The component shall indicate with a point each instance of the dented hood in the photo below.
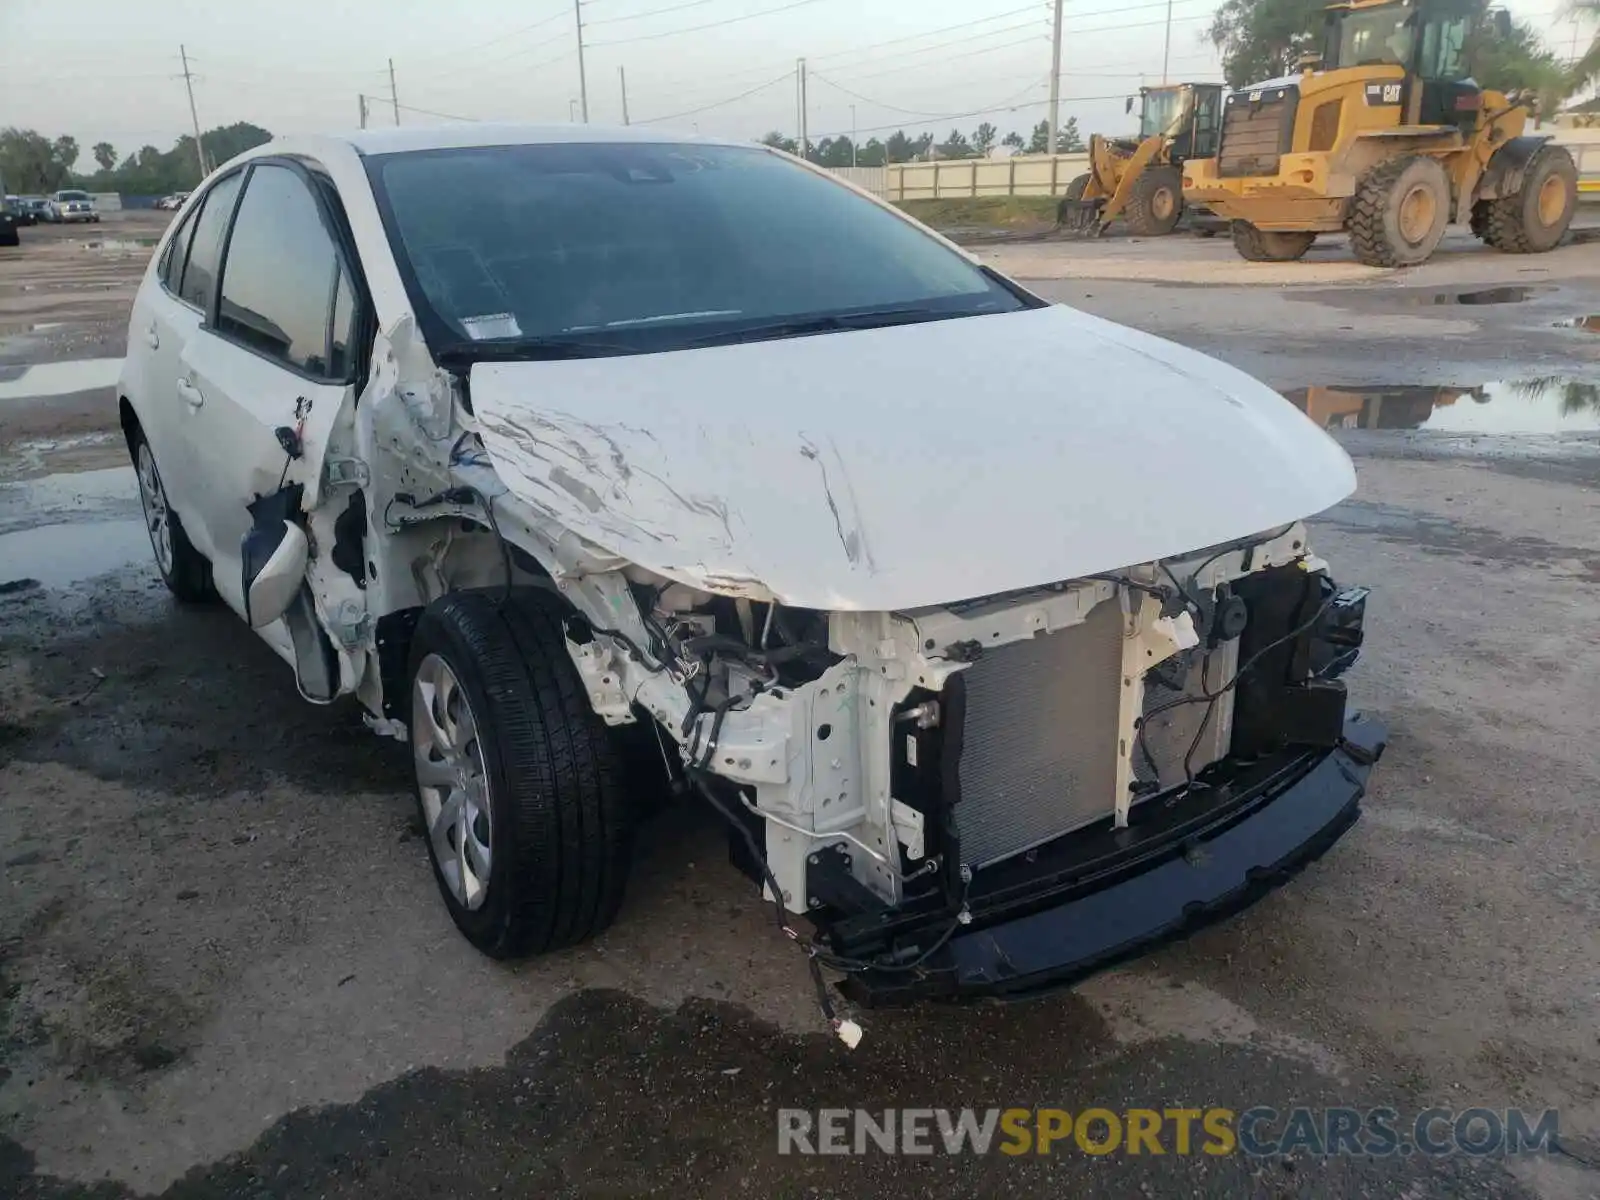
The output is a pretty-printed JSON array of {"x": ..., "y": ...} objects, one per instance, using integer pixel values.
[{"x": 913, "y": 465}]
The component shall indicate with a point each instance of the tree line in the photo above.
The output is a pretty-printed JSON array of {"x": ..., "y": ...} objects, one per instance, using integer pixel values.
[
  {"x": 32, "y": 163},
  {"x": 900, "y": 147}
]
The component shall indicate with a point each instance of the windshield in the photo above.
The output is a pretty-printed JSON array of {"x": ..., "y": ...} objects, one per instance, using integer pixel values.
[
  {"x": 653, "y": 247},
  {"x": 1162, "y": 110},
  {"x": 1378, "y": 35},
  {"x": 72, "y": 195}
]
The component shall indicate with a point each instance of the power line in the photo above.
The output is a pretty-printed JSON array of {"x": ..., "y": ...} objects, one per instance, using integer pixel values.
[
  {"x": 518, "y": 53},
  {"x": 1030, "y": 41},
  {"x": 931, "y": 32},
  {"x": 963, "y": 42},
  {"x": 428, "y": 112},
  {"x": 498, "y": 40},
  {"x": 907, "y": 111},
  {"x": 654, "y": 12},
  {"x": 1003, "y": 106},
  {"x": 650, "y": 37},
  {"x": 717, "y": 104}
]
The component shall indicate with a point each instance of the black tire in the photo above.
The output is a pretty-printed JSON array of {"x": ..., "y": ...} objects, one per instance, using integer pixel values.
[
  {"x": 9, "y": 237},
  {"x": 1399, "y": 212},
  {"x": 1262, "y": 245},
  {"x": 185, "y": 571},
  {"x": 1514, "y": 224},
  {"x": 1155, "y": 202},
  {"x": 559, "y": 822}
]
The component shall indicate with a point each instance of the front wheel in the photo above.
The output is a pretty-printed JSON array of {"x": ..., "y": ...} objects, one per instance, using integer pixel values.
[
  {"x": 1399, "y": 212},
  {"x": 1534, "y": 219},
  {"x": 1155, "y": 201},
  {"x": 1263, "y": 245},
  {"x": 520, "y": 785}
]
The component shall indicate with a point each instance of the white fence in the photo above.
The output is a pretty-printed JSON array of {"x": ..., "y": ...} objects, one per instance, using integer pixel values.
[
  {"x": 873, "y": 179},
  {"x": 1049, "y": 174}
]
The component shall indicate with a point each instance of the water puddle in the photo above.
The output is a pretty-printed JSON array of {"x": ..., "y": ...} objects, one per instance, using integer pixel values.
[
  {"x": 58, "y": 378},
  {"x": 101, "y": 496},
  {"x": 59, "y": 556},
  {"x": 114, "y": 244},
  {"x": 1494, "y": 295},
  {"x": 1530, "y": 406},
  {"x": 1589, "y": 324}
]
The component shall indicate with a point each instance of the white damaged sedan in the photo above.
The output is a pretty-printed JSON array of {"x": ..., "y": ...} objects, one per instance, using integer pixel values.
[{"x": 990, "y": 628}]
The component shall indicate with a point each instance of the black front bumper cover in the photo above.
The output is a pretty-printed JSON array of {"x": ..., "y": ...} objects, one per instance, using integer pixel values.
[{"x": 1102, "y": 895}]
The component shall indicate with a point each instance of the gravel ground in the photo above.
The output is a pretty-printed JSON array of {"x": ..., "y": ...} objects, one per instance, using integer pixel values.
[{"x": 224, "y": 969}]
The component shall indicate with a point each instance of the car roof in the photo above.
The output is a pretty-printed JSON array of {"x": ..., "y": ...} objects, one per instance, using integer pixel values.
[{"x": 405, "y": 138}]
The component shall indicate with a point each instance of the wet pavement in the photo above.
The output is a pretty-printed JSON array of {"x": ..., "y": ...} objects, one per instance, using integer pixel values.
[{"x": 225, "y": 971}]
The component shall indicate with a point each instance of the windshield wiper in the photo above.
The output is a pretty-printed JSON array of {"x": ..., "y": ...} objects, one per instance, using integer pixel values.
[
  {"x": 533, "y": 349},
  {"x": 828, "y": 323}
]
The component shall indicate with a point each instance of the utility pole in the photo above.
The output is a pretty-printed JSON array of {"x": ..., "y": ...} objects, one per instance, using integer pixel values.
[
  {"x": 854, "y": 136},
  {"x": 1166, "y": 50},
  {"x": 363, "y": 98},
  {"x": 583, "y": 79},
  {"x": 1055, "y": 80},
  {"x": 622, "y": 79},
  {"x": 194, "y": 116},
  {"x": 394, "y": 96},
  {"x": 805, "y": 144}
]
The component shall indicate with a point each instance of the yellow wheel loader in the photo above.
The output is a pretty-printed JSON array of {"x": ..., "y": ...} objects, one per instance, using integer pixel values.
[
  {"x": 1384, "y": 135},
  {"x": 1141, "y": 179}
]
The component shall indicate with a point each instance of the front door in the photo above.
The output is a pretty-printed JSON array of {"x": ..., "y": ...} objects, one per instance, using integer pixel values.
[{"x": 269, "y": 377}]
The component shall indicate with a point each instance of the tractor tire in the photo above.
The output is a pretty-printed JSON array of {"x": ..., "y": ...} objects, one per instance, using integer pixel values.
[
  {"x": 1534, "y": 219},
  {"x": 1261, "y": 245},
  {"x": 1077, "y": 187},
  {"x": 521, "y": 788},
  {"x": 1155, "y": 202},
  {"x": 1399, "y": 212}
]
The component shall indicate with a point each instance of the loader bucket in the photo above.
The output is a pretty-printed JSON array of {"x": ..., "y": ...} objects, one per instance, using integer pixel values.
[{"x": 1080, "y": 218}]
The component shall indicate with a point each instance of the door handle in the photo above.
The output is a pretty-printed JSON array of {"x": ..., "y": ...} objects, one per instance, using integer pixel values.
[
  {"x": 152, "y": 338},
  {"x": 192, "y": 395}
]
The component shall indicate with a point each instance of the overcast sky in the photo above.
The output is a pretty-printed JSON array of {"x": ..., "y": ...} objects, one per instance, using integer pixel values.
[{"x": 108, "y": 69}]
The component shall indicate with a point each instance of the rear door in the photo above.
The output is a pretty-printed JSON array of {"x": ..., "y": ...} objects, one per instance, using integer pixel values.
[
  {"x": 276, "y": 361},
  {"x": 165, "y": 318}
]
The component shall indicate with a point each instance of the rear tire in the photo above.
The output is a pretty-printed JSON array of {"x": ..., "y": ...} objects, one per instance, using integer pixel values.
[
  {"x": 1534, "y": 219},
  {"x": 1155, "y": 202},
  {"x": 1261, "y": 245},
  {"x": 1399, "y": 212},
  {"x": 1077, "y": 187},
  {"x": 185, "y": 571},
  {"x": 525, "y": 812}
]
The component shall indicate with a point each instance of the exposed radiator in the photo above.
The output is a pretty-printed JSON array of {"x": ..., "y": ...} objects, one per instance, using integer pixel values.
[{"x": 1039, "y": 746}]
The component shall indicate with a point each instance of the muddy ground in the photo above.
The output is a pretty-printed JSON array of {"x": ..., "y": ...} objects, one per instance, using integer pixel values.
[{"x": 225, "y": 971}]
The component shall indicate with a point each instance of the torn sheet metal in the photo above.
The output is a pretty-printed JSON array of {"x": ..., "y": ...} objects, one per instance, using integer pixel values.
[{"x": 891, "y": 468}]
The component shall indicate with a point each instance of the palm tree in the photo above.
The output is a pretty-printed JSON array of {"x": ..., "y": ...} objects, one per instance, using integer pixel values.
[{"x": 1586, "y": 68}]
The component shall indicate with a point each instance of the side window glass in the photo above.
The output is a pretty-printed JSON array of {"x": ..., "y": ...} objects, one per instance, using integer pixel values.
[
  {"x": 177, "y": 251},
  {"x": 281, "y": 285},
  {"x": 205, "y": 247}
]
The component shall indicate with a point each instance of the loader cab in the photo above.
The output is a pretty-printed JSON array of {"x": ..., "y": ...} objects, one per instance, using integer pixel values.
[
  {"x": 1189, "y": 114},
  {"x": 1428, "y": 38}
]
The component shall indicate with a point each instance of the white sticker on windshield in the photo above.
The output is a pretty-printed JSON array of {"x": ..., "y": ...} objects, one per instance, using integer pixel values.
[{"x": 491, "y": 325}]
